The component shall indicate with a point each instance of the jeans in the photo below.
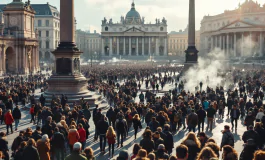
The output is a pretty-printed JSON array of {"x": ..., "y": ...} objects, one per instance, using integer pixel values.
[
  {"x": 210, "y": 123},
  {"x": 102, "y": 138},
  {"x": 9, "y": 126},
  {"x": 201, "y": 123},
  {"x": 135, "y": 132},
  {"x": 83, "y": 145},
  {"x": 32, "y": 118},
  {"x": 111, "y": 146},
  {"x": 232, "y": 121},
  {"x": 184, "y": 121},
  {"x": 192, "y": 127},
  {"x": 16, "y": 123},
  {"x": 120, "y": 135},
  {"x": 43, "y": 121},
  {"x": 59, "y": 153}
]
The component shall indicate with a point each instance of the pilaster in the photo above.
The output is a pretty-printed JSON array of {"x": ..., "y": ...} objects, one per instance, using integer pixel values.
[
  {"x": 142, "y": 46},
  {"x": 137, "y": 52},
  {"x": 130, "y": 46},
  {"x": 261, "y": 39},
  {"x": 118, "y": 46}
]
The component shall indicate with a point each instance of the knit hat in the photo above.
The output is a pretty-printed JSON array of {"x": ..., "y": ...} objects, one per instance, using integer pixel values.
[
  {"x": 45, "y": 137},
  {"x": 77, "y": 145},
  {"x": 161, "y": 146}
]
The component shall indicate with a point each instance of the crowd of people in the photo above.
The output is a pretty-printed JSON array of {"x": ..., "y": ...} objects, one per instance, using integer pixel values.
[{"x": 62, "y": 129}]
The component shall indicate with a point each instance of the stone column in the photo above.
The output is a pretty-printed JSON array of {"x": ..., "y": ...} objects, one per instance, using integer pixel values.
[
  {"x": 25, "y": 59},
  {"x": 118, "y": 46},
  {"x": 250, "y": 43},
  {"x": 261, "y": 41},
  {"x": 149, "y": 50},
  {"x": 1, "y": 58},
  {"x": 67, "y": 27},
  {"x": 137, "y": 52},
  {"x": 157, "y": 46},
  {"x": 227, "y": 44},
  {"x": 130, "y": 46},
  {"x": 165, "y": 48},
  {"x": 216, "y": 42},
  {"x": 4, "y": 59},
  {"x": 124, "y": 49},
  {"x": 17, "y": 58},
  {"x": 235, "y": 45},
  {"x": 212, "y": 45},
  {"x": 242, "y": 44},
  {"x": 142, "y": 46},
  {"x": 220, "y": 41},
  {"x": 102, "y": 46},
  {"x": 37, "y": 58},
  {"x": 191, "y": 39},
  {"x": 223, "y": 38},
  {"x": 110, "y": 47}
]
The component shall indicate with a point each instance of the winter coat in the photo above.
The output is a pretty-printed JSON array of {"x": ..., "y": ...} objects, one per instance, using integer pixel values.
[
  {"x": 75, "y": 156},
  {"x": 43, "y": 149},
  {"x": 192, "y": 119},
  {"x": 111, "y": 115},
  {"x": 31, "y": 152},
  {"x": 111, "y": 139},
  {"x": 147, "y": 144},
  {"x": 168, "y": 141},
  {"x": 8, "y": 118},
  {"x": 136, "y": 124},
  {"x": 227, "y": 139},
  {"x": 19, "y": 154},
  {"x": 16, "y": 113},
  {"x": 121, "y": 126},
  {"x": 201, "y": 115},
  {"x": 249, "y": 120},
  {"x": 58, "y": 140},
  {"x": 248, "y": 152},
  {"x": 193, "y": 149},
  {"x": 102, "y": 127},
  {"x": 154, "y": 125},
  {"x": 82, "y": 134},
  {"x": 73, "y": 136},
  {"x": 47, "y": 129},
  {"x": 237, "y": 113},
  {"x": 36, "y": 135},
  {"x": 251, "y": 134},
  {"x": 210, "y": 112},
  {"x": 157, "y": 142},
  {"x": 160, "y": 154}
]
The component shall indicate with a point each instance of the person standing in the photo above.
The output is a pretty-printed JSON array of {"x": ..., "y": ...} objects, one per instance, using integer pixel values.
[
  {"x": 3, "y": 146},
  {"x": 192, "y": 121},
  {"x": 201, "y": 117},
  {"x": 102, "y": 127},
  {"x": 228, "y": 137},
  {"x": 8, "y": 121},
  {"x": 168, "y": 141},
  {"x": 234, "y": 115},
  {"x": 76, "y": 154},
  {"x": 73, "y": 137},
  {"x": 17, "y": 116},
  {"x": 82, "y": 134},
  {"x": 120, "y": 127},
  {"x": 111, "y": 136},
  {"x": 43, "y": 147},
  {"x": 30, "y": 151},
  {"x": 136, "y": 124},
  {"x": 32, "y": 113},
  {"x": 210, "y": 114},
  {"x": 57, "y": 142}
]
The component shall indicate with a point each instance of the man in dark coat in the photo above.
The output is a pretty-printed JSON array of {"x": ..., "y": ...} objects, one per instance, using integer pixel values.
[
  {"x": 42, "y": 100},
  {"x": 102, "y": 127},
  {"x": 234, "y": 115},
  {"x": 111, "y": 115},
  {"x": 168, "y": 141},
  {"x": 36, "y": 135},
  {"x": 57, "y": 143},
  {"x": 17, "y": 116},
  {"x": 251, "y": 134},
  {"x": 3, "y": 145},
  {"x": 121, "y": 128},
  {"x": 201, "y": 117}
]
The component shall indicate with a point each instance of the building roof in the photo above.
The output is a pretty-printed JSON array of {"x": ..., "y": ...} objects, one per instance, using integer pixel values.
[
  {"x": 45, "y": 9},
  {"x": 133, "y": 14}
]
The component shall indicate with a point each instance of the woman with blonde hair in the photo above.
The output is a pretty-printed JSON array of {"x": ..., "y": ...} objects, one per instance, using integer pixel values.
[
  {"x": 193, "y": 144},
  {"x": 206, "y": 154},
  {"x": 229, "y": 153},
  {"x": 259, "y": 155},
  {"x": 141, "y": 154},
  {"x": 151, "y": 156},
  {"x": 111, "y": 136},
  {"x": 136, "y": 124},
  {"x": 63, "y": 123},
  {"x": 214, "y": 147}
]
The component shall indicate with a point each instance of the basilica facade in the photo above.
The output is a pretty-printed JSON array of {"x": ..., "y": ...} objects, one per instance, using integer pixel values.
[
  {"x": 133, "y": 37},
  {"x": 18, "y": 39},
  {"x": 239, "y": 32}
]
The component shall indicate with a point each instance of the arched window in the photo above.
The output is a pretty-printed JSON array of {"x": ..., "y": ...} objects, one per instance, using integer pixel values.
[
  {"x": 106, "y": 28},
  {"x": 161, "y": 28}
]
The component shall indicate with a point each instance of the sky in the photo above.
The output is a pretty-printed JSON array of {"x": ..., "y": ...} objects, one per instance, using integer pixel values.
[{"x": 89, "y": 13}]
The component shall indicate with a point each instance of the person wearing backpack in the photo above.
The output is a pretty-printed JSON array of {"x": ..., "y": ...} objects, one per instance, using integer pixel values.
[
  {"x": 228, "y": 137},
  {"x": 120, "y": 126}
]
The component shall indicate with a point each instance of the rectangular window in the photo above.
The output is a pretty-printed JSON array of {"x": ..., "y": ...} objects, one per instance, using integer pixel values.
[
  {"x": 47, "y": 33},
  {"x": 39, "y": 23},
  {"x": 47, "y": 44},
  {"x": 47, "y": 23},
  {"x": 40, "y": 43},
  {"x": 39, "y": 33}
]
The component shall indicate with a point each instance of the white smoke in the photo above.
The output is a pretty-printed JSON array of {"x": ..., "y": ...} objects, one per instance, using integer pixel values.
[
  {"x": 250, "y": 48},
  {"x": 209, "y": 71}
]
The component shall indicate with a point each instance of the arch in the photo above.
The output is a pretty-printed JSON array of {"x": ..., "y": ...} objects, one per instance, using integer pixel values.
[
  {"x": 47, "y": 56},
  {"x": 10, "y": 60},
  {"x": 106, "y": 49}
]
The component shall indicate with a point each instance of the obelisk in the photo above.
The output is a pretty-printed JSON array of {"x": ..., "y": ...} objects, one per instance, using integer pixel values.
[
  {"x": 67, "y": 79},
  {"x": 191, "y": 52}
]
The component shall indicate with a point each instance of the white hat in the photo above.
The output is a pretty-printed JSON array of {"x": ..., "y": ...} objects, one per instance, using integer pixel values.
[
  {"x": 45, "y": 137},
  {"x": 77, "y": 145}
]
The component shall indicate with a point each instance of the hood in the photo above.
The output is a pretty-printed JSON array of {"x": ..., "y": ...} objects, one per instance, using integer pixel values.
[
  {"x": 72, "y": 130},
  {"x": 190, "y": 142}
]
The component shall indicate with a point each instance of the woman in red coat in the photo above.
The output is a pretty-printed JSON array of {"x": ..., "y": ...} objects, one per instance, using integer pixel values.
[
  {"x": 111, "y": 136},
  {"x": 82, "y": 134},
  {"x": 8, "y": 121}
]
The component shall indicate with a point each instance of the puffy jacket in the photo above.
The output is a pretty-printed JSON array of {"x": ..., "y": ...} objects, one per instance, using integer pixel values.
[
  {"x": 102, "y": 127},
  {"x": 73, "y": 136},
  {"x": 82, "y": 134},
  {"x": 8, "y": 118},
  {"x": 16, "y": 113}
]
